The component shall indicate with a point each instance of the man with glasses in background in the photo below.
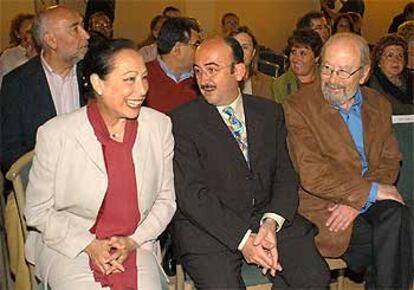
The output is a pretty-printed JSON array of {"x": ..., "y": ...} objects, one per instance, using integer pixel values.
[
  {"x": 342, "y": 145},
  {"x": 235, "y": 186},
  {"x": 317, "y": 22},
  {"x": 170, "y": 75}
]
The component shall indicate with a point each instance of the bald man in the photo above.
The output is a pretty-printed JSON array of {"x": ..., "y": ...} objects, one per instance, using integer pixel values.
[
  {"x": 235, "y": 186},
  {"x": 48, "y": 85},
  {"x": 341, "y": 143}
]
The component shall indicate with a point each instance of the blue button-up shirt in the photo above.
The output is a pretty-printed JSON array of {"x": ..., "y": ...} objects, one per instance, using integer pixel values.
[
  {"x": 353, "y": 120},
  {"x": 171, "y": 74}
]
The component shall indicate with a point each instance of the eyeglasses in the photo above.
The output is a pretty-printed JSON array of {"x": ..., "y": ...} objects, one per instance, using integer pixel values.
[
  {"x": 391, "y": 55},
  {"x": 210, "y": 71},
  {"x": 104, "y": 25},
  {"x": 320, "y": 27},
  {"x": 343, "y": 74},
  {"x": 195, "y": 44}
]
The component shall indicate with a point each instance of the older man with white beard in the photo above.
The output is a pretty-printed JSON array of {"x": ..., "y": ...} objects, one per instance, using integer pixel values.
[{"x": 341, "y": 143}]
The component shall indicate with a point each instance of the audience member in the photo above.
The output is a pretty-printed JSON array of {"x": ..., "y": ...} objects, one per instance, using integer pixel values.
[
  {"x": 343, "y": 23},
  {"x": 317, "y": 22},
  {"x": 357, "y": 6},
  {"x": 45, "y": 86},
  {"x": 342, "y": 145},
  {"x": 171, "y": 11},
  {"x": 15, "y": 55},
  {"x": 30, "y": 45},
  {"x": 100, "y": 22},
  {"x": 357, "y": 18},
  {"x": 98, "y": 195},
  {"x": 406, "y": 31},
  {"x": 229, "y": 23},
  {"x": 231, "y": 167},
  {"x": 150, "y": 52},
  {"x": 407, "y": 14},
  {"x": 170, "y": 76},
  {"x": 254, "y": 82},
  {"x": 389, "y": 76},
  {"x": 304, "y": 47}
]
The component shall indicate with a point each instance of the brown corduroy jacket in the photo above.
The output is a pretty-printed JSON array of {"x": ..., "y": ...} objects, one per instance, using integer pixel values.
[{"x": 329, "y": 167}]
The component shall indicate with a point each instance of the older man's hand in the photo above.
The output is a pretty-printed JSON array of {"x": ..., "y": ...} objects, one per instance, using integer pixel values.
[{"x": 341, "y": 217}]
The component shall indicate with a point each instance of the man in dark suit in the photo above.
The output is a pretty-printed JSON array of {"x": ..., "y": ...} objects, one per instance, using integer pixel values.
[
  {"x": 235, "y": 186},
  {"x": 45, "y": 86}
]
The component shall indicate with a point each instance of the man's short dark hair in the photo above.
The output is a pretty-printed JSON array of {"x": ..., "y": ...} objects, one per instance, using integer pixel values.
[
  {"x": 306, "y": 20},
  {"x": 236, "y": 49},
  {"x": 170, "y": 8},
  {"x": 305, "y": 37},
  {"x": 177, "y": 29}
]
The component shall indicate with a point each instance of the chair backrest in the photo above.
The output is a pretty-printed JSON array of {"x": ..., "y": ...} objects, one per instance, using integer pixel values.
[
  {"x": 403, "y": 126},
  {"x": 18, "y": 174},
  {"x": 5, "y": 279},
  {"x": 275, "y": 58}
]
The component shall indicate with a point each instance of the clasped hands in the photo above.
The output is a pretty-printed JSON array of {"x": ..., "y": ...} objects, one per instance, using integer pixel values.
[
  {"x": 261, "y": 248},
  {"x": 109, "y": 254}
]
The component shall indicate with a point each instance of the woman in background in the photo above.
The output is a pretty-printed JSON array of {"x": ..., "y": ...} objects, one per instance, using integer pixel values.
[
  {"x": 304, "y": 48},
  {"x": 255, "y": 82},
  {"x": 343, "y": 23},
  {"x": 389, "y": 75},
  {"x": 16, "y": 54},
  {"x": 101, "y": 187}
]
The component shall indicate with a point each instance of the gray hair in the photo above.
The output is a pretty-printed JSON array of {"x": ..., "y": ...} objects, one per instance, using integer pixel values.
[
  {"x": 355, "y": 38},
  {"x": 38, "y": 28}
]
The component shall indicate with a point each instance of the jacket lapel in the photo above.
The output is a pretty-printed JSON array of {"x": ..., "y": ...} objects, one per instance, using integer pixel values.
[
  {"x": 139, "y": 151},
  {"x": 370, "y": 116},
  {"x": 86, "y": 138},
  {"x": 81, "y": 83},
  {"x": 41, "y": 89},
  {"x": 254, "y": 129}
]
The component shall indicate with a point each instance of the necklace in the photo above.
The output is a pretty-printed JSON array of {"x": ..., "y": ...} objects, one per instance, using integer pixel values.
[{"x": 115, "y": 135}]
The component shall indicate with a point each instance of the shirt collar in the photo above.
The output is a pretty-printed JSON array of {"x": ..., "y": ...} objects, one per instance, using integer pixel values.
[
  {"x": 236, "y": 105},
  {"x": 50, "y": 70},
  {"x": 170, "y": 73},
  {"x": 356, "y": 105}
]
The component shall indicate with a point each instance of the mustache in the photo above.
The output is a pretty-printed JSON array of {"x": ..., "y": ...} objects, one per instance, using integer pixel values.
[{"x": 207, "y": 87}]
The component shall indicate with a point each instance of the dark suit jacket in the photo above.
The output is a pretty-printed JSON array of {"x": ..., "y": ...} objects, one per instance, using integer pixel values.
[
  {"x": 218, "y": 196},
  {"x": 329, "y": 166},
  {"x": 26, "y": 103}
]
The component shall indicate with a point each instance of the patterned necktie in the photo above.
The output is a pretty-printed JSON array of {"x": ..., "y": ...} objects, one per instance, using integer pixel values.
[{"x": 237, "y": 129}]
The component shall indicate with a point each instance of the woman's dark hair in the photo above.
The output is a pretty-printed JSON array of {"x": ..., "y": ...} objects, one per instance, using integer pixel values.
[
  {"x": 384, "y": 42},
  {"x": 305, "y": 37},
  {"x": 253, "y": 64},
  {"x": 348, "y": 18},
  {"x": 15, "y": 26},
  {"x": 99, "y": 60}
]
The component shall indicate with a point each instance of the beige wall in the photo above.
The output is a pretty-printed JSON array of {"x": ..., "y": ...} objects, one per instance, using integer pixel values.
[{"x": 271, "y": 20}]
